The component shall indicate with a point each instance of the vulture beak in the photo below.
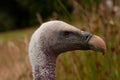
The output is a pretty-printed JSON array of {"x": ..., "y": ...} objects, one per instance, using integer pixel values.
[{"x": 96, "y": 43}]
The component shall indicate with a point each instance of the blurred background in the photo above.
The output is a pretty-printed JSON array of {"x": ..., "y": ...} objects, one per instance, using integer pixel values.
[{"x": 20, "y": 18}]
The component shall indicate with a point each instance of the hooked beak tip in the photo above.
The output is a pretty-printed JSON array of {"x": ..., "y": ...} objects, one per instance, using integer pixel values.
[{"x": 98, "y": 44}]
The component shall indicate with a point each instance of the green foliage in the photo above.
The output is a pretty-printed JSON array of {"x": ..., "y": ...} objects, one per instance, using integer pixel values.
[
  {"x": 12, "y": 15},
  {"x": 64, "y": 8},
  {"x": 46, "y": 8},
  {"x": 15, "y": 14},
  {"x": 42, "y": 6},
  {"x": 89, "y": 4},
  {"x": 6, "y": 22}
]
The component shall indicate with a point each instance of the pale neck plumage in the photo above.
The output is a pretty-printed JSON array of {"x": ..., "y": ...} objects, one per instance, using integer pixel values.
[
  {"x": 43, "y": 63},
  {"x": 45, "y": 70}
]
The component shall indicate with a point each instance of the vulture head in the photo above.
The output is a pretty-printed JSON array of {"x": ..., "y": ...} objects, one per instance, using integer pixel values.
[{"x": 53, "y": 38}]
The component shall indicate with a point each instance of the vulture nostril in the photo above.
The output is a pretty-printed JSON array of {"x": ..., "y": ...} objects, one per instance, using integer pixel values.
[{"x": 86, "y": 37}]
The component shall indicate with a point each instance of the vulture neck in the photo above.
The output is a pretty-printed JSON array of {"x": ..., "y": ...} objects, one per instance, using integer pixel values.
[{"x": 45, "y": 69}]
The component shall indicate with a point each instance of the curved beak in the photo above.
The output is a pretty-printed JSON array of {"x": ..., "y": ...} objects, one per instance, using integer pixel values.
[{"x": 96, "y": 43}]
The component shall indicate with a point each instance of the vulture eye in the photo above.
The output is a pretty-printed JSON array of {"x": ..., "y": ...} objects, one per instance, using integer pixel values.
[{"x": 66, "y": 33}]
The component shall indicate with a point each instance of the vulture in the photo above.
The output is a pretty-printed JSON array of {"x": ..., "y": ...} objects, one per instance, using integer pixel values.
[{"x": 53, "y": 38}]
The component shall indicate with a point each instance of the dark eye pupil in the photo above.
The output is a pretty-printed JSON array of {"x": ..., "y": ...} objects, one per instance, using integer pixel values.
[{"x": 66, "y": 33}]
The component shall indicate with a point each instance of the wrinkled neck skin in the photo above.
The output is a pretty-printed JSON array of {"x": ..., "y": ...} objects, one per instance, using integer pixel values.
[{"x": 43, "y": 60}]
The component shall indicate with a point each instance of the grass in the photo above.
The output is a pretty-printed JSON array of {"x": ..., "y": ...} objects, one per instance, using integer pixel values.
[
  {"x": 14, "y": 64},
  {"x": 73, "y": 65},
  {"x": 6, "y": 36}
]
